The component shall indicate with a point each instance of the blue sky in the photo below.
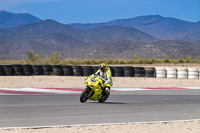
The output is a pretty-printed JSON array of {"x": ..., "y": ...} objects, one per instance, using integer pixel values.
[{"x": 89, "y": 11}]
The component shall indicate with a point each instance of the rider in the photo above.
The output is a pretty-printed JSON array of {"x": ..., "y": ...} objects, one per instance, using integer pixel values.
[{"x": 105, "y": 73}]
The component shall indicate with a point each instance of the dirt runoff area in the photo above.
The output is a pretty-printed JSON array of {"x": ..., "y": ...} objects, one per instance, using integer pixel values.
[
  {"x": 118, "y": 82},
  {"x": 159, "y": 127}
]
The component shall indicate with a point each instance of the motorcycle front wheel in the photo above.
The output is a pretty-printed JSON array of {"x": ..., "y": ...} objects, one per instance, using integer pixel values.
[{"x": 84, "y": 95}]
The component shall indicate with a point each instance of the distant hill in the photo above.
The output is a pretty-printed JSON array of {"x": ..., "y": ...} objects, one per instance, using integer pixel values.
[
  {"x": 114, "y": 39},
  {"x": 10, "y": 20},
  {"x": 161, "y": 27},
  {"x": 49, "y": 36}
]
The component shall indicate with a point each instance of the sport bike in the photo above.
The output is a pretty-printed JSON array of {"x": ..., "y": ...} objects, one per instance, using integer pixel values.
[{"x": 93, "y": 90}]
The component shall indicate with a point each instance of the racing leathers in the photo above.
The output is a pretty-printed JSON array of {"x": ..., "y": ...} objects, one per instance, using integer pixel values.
[{"x": 107, "y": 76}]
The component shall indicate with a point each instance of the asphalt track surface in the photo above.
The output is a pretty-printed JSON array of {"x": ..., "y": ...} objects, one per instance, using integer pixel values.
[{"x": 136, "y": 106}]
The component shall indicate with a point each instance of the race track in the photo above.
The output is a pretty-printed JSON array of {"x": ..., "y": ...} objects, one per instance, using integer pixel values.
[{"x": 136, "y": 106}]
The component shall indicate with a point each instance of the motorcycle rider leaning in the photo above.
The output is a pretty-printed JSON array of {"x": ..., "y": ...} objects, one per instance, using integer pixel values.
[{"x": 105, "y": 73}]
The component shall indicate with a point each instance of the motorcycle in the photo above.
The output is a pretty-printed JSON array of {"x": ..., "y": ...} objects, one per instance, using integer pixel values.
[{"x": 93, "y": 90}]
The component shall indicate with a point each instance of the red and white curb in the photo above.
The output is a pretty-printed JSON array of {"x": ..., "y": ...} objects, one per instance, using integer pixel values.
[{"x": 53, "y": 91}]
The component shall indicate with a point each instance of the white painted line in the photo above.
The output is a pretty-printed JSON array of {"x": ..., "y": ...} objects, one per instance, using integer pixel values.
[
  {"x": 39, "y": 90},
  {"x": 193, "y": 88},
  {"x": 128, "y": 89}
]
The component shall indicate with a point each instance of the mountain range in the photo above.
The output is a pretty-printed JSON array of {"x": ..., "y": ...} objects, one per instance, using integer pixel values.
[
  {"x": 161, "y": 27},
  {"x": 10, "y": 20},
  {"x": 123, "y": 38}
]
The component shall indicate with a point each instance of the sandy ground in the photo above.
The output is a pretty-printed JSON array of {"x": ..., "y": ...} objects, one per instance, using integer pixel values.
[
  {"x": 164, "y": 127},
  {"x": 78, "y": 82}
]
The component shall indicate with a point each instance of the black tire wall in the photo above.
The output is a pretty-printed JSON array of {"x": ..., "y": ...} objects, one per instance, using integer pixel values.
[
  {"x": 37, "y": 70},
  {"x": 47, "y": 69},
  {"x": 95, "y": 68},
  {"x": 77, "y": 70},
  {"x": 28, "y": 70},
  {"x": 8, "y": 69},
  {"x": 150, "y": 72},
  {"x": 57, "y": 70},
  {"x": 128, "y": 71},
  {"x": 118, "y": 71},
  {"x": 67, "y": 70},
  {"x": 1, "y": 71},
  {"x": 87, "y": 70},
  {"x": 139, "y": 71},
  {"x": 18, "y": 70}
]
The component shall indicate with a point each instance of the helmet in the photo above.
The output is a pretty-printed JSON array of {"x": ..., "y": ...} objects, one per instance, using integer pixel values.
[{"x": 102, "y": 67}]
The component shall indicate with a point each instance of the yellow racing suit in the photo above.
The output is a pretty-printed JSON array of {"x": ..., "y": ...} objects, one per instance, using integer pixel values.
[{"x": 106, "y": 75}]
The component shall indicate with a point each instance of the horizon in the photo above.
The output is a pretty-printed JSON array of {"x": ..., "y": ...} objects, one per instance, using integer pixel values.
[
  {"x": 99, "y": 22},
  {"x": 94, "y": 11}
]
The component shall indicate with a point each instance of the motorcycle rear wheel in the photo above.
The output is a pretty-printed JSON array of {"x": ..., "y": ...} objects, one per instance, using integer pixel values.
[{"x": 104, "y": 98}]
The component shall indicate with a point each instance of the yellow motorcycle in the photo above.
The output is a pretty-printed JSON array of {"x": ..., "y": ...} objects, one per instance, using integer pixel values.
[{"x": 93, "y": 90}]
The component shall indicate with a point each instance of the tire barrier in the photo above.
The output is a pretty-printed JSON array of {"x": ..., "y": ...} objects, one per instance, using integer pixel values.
[
  {"x": 28, "y": 70},
  {"x": 77, "y": 70},
  {"x": 47, "y": 69},
  {"x": 87, "y": 70},
  {"x": 150, "y": 72},
  {"x": 128, "y": 71},
  {"x": 193, "y": 73},
  {"x": 1, "y": 71},
  {"x": 95, "y": 68},
  {"x": 37, "y": 70},
  {"x": 18, "y": 70},
  {"x": 118, "y": 71},
  {"x": 67, "y": 70},
  {"x": 160, "y": 72},
  {"x": 57, "y": 70},
  {"x": 182, "y": 73},
  {"x": 171, "y": 73},
  {"x": 8, "y": 70},
  {"x": 179, "y": 73},
  {"x": 139, "y": 71}
]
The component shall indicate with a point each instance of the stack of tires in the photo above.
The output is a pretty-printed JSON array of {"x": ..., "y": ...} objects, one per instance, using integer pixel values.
[
  {"x": 182, "y": 73},
  {"x": 1, "y": 71},
  {"x": 139, "y": 72},
  {"x": 160, "y": 72},
  {"x": 150, "y": 72},
  {"x": 18, "y": 70},
  {"x": 57, "y": 70},
  {"x": 128, "y": 71},
  {"x": 117, "y": 71},
  {"x": 95, "y": 68},
  {"x": 47, "y": 69},
  {"x": 28, "y": 70},
  {"x": 8, "y": 70},
  {"x": 67, "y": 70},
  {"x": 87, "y": 70},
  {"x": 171, "y": 73},
  {"x": 37, "y": 70},
  {"x": 77, "y": 71},
  {"x": 193, "y": 73}
]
